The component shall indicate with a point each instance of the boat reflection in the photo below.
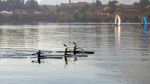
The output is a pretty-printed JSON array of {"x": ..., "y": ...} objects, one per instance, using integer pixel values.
[
  {"x": 67, "y": 58},
  {"x": 117, "y": 36}
]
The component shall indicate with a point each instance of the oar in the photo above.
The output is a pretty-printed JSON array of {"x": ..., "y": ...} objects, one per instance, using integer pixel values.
[
  {"x": 87, "y": 52},
  {"x": 83, "y": 50}
]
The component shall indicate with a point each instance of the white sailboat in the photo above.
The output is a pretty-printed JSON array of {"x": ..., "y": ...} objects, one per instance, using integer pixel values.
[{"x": 117, "y": 20}]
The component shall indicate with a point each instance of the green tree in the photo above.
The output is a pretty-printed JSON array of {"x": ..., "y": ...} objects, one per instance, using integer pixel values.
[
  {"x": 32, "y": 5},
  {"x": 136, "y": 4},
  {"x": 113, "y": 6},
  {"x": 143, "y": 3},
  {"x": 98, "y": 3}
]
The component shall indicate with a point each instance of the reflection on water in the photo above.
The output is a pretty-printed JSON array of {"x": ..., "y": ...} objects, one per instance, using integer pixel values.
[
  {"x": 18, "y": 38},
  {"x": 121, "y": 54},
  {"x": 117, "y": 35}
]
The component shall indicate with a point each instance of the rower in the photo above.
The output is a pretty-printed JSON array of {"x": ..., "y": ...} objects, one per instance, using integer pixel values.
[
  {"x": 75, "y": 51},
  {"x": 74, "y": 48},
  {"x": 65, "y": 54},
  {"x": 39, "y": 56}
]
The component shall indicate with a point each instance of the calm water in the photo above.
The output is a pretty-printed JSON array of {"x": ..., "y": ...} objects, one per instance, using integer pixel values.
[{"x": 122, "y": 54}]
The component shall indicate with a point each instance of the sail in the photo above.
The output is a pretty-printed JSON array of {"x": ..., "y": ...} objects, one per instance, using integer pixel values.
[
  {"x": 144, "y": 20},
  {"x": 144, "y": 23},
  {"x": 117, "y": 20}
]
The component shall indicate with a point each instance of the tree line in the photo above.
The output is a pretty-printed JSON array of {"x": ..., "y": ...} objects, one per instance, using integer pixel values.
[{"x": 10, "y": 5}]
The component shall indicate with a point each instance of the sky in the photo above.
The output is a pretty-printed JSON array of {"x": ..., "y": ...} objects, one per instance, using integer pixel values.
[{"x": 54, "y": 2}]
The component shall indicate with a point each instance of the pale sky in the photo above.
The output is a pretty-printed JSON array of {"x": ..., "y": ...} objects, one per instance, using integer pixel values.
[{"x": 54, "y": 2}]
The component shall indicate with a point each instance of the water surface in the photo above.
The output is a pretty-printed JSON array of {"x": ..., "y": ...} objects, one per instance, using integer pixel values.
[{"x": 121, "y": 54}]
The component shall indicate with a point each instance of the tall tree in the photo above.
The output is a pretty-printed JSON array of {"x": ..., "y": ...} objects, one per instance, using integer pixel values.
[
  {"x": 98, "y": 3},
  {"x": 32, "y": 5},
  {"x": 143, "y": 4},
  {"x": 112, "y": 5}
]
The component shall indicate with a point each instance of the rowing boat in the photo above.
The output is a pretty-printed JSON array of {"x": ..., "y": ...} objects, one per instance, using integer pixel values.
[{"x": 78, "y": 52}]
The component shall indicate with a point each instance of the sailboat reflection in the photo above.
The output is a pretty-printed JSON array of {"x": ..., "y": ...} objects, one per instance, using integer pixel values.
[
  {"x": 145, "y": 28},
  {"x": 144, "y": 43},
  {"x": 145, "y": 32},
  {"x": 117, "y": 36}
]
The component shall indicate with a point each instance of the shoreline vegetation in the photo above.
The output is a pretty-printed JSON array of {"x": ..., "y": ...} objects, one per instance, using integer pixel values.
[
  {"x": 28, "y": 12},
  {"x": 65, "y": 23}
]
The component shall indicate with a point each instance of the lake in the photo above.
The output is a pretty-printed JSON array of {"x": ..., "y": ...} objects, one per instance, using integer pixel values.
[{"x": 122, "y": 54}]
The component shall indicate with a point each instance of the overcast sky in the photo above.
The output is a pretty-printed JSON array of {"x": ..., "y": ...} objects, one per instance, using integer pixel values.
[{"x": 53, "y": 2}]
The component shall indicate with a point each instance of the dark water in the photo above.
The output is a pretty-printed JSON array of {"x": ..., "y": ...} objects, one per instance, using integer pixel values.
[{"x": 122, "y": 54}]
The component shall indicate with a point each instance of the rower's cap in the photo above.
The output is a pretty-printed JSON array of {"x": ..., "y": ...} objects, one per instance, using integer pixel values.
[{"x": 65, "y": 45}]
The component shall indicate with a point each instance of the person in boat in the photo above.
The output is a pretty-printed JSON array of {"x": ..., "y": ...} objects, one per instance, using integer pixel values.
[
  {"x": 39, "y": 56},
  {"x": 65, "y": 53},
  {"x": 74, "y": 48},
  {"x": 66, "y": 49},
  {"x": 75, "y": 51}
]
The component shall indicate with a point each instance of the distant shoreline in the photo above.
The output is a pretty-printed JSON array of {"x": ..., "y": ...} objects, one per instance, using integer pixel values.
[{"x": 68, "y": 23}]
